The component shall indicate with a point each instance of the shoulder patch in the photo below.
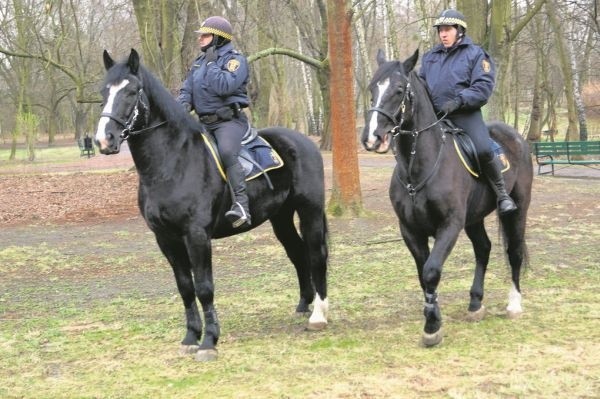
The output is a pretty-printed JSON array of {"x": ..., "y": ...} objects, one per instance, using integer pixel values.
[
  {"x": 233, "y": 65},
  {"x": 485, "y": 64}
]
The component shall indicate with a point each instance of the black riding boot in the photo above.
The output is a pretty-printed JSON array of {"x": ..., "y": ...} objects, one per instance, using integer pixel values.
[
  {"x": 239, "y": 213},
  {"x": 493, "y": 173}
]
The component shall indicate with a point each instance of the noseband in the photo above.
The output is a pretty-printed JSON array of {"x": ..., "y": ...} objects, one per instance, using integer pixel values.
[{"x": 139, "y": 112}]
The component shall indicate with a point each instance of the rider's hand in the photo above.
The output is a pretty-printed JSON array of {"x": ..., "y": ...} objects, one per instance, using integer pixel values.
[
  {"x": 450, "y": 106},
  {"x": 211, "y": 54},
  {"x": 187, "y": 107}
]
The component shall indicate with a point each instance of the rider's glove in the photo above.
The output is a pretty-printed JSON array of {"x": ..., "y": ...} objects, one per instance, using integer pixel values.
[{"x": 451, "y": 105}]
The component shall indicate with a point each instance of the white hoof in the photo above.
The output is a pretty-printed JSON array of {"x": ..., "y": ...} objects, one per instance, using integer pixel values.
[
  {"x": 434, "y": 339},
  {"x": 512, "y": 314},
  {"x": 477, "y": 315},
  {"x": 206, "y": 355},
  {"x": 318, "y": 318},
  {"x": 514, "y": 309},
  {"x": 188, "y": 349}
]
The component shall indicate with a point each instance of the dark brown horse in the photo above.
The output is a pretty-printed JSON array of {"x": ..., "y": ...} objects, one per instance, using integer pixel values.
[
  {"x": 434, "y": 195},
  {"x": 183, "y": 198}
]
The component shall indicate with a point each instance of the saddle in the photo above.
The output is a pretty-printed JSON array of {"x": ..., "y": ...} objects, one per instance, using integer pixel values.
[
  {"x": 257, "y": 157},
  {"x": 465, "y": 149}
]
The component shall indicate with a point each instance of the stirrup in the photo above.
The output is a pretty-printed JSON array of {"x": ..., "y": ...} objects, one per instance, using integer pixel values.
[{"x": 237, "y": 215}]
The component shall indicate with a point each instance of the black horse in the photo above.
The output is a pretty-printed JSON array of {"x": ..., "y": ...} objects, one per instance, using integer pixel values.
[
  {"x": 183, "y": 198},
  {"x": 434, "y": 195}
]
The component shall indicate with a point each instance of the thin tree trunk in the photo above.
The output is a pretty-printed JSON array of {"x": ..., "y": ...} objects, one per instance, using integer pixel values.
[{"x": 567, "y": 71}]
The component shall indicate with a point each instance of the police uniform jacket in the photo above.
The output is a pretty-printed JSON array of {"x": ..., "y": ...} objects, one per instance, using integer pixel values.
[
  {"x": 462, "y": 71},
  {"x": 218, "y": 84}
]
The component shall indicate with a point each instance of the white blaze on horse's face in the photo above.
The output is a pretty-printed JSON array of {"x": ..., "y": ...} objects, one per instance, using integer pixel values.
[
  {"x": 381, "y": 89},
  {"x": 108, "y": 108}
]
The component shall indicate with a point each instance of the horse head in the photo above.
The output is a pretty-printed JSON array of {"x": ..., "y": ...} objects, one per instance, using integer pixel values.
[
  {"x": 390, "y": 94},
  {"x": 125, "y": 106}
]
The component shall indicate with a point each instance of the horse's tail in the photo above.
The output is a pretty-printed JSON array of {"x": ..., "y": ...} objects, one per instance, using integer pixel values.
[
  {"x": 512, "y": 230},
  {"x": 326, "y": 233}
]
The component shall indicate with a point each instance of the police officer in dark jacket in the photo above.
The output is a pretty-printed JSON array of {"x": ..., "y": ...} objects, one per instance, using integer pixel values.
[
  {"x": 460, "y": 77},
  {"x": 215, "y": 89}
]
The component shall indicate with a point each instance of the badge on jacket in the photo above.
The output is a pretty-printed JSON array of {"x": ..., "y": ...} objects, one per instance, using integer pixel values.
[
  {"x": 485, "y": 64},
  {"x": 233, "y": 65}
]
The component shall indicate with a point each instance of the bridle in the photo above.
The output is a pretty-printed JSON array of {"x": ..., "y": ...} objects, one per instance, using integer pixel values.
[
  {"x": 397, "y": 130},
  {"x": 139, "y": 113}
]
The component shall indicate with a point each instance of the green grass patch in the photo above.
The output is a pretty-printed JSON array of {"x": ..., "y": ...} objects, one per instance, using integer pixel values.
[
  {"x": 50, "y": 155},
  {"x": 106, "y": 321}
]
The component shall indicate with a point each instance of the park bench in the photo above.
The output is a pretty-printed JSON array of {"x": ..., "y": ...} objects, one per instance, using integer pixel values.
[
  {"x": 566, "y": 153},
  {"x": 86, "y": 147}
]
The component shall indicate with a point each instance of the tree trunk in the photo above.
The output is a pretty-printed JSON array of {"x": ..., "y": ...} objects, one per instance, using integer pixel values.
[
  {"x": 476, "y": 12},
  {"x": 579, "y": 106},
  {"x": 567, "y": 71},
  {"x": 346, "y": 194},
  {"x": 157, "y": 22}
]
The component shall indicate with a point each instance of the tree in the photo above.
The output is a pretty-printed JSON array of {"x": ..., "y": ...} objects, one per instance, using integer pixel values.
[
  {"x": 345, "y": 196},
  {"x": 565, "y": 64}
]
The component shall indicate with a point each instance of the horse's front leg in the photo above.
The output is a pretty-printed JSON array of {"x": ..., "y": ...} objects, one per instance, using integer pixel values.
[
  {"x": 176, "y": 253},
  {"x": 481, "y": 247},
  {"x": 432, "y": 273},
  {"x": 199, "y": 250}
]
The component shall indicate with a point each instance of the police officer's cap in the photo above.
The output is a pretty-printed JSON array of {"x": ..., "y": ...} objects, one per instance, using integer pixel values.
[
  {"x": 450, "y": 18},
  {"x": 217, "y": 26}
]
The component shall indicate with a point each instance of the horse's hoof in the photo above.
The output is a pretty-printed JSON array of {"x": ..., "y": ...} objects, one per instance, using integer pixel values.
[
  {"x": 316, "y": 326},
  {"x": 477, "y": 315},
  {"x": 188, "y": 349},
  {"x": 513, "y": 314},
  {"x": 206, "y": 355},
  {"x": 430, "y": 340}
]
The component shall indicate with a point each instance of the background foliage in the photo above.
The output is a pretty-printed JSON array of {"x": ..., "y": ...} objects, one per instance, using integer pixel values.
[{"x": 50, "y": 54}]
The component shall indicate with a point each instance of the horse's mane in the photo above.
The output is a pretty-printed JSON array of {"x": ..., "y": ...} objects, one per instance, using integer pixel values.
[
  {"x": 159, "y": 96},
  {"x": 421, "y": 88}
]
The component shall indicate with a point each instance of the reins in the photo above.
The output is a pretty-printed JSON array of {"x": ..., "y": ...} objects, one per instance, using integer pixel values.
[
  {"x": 397, "y": 131},
  {"x": 128, "y": 125}
]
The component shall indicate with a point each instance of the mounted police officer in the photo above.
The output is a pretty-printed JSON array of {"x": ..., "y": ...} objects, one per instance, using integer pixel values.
[
  {"x": 460, "y": 77},
  {"x": 215, "y": 88}
]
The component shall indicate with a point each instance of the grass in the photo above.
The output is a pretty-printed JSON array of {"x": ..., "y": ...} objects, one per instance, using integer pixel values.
[
  {"x": 102, "y": 320},
  {"x": 43, "y": 155}
]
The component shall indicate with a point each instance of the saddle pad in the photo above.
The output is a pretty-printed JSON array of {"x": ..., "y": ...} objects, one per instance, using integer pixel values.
[
  {"x": 466, "y": 153},
  {"x": 256, "y": 157}
]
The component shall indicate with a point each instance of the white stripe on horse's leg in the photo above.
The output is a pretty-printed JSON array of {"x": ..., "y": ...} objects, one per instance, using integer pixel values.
[
  {"x": 318, "y": 318},
  {"x": 514, "y": 308}
]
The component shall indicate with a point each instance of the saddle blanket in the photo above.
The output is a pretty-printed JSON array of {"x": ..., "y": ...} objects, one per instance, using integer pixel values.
[
  {"x": 465, "y": 149},
  {"x": 256, "y": 156}
]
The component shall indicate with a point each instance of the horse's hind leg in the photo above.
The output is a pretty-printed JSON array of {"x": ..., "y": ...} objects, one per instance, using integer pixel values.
[
  {"x": 481, "y": 246},
  {"x": 286, "y": 233},
  {"x": 513, "y": 226},
  {"x": 313, "y": 226},
  {"x": 176, "y": 254}
]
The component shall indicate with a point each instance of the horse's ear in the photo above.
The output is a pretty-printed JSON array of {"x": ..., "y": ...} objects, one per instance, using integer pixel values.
[
  {"x": 410, "y": 63},
  {"x": 134, "y": 61},
  {"x": 380, "y": 57},
  {"x": 108, "y": 61}
]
